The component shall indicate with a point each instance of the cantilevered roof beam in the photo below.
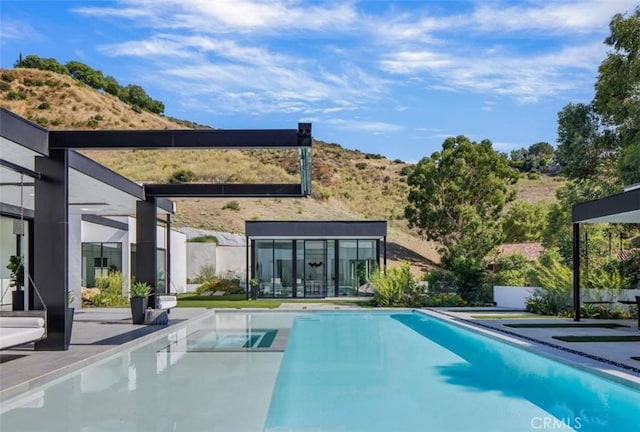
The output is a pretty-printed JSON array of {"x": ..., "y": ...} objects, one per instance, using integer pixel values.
[
  {"x": 183, "y": 139},
  {"x": 234, "y": 190}
]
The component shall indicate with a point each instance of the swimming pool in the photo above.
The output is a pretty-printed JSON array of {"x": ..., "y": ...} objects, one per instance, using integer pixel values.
[{"x": 340, "y": 371}]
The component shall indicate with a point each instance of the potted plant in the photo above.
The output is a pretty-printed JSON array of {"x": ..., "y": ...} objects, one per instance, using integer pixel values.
[
  {"x": 70, "y": 312},
  {"x": 139, "y": 293},
  {"x": 16, "y": 267},
  {"x": 253, "y": 283}
]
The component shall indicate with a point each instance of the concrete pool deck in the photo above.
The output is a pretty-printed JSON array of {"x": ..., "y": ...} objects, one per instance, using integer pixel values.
[
  {"x": 99, "y": 333},
  {"x": 612, "y": 358}
]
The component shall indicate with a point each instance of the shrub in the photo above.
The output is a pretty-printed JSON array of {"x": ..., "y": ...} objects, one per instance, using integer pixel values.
[
  {"x": 182, "y": 176},
  {"x": 7, "y": 77},
  {"x": 232, "y": 205},
  {"x": 443, "y": 300},
  {"x": 396, "y": 287},
  {"x": 206, "y": 273},
  {"x": 110, "y": 288},
  {"x": 204, "y": 239},
  {"x": 44, "y": 106},
  {"x": 550, "y": 301},
  {"x": 228, "y": 286},
  {"x": 4, "y": 86},
  {"x": 441, "y": 281},
  {"x": 361, "y": 165},
  {"x": 16, "y": 95}
]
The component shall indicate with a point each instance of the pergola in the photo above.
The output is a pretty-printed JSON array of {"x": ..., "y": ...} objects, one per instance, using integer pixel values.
[
  {"x": 620, "y": 208},
  {"x": 63, "y": 186}
]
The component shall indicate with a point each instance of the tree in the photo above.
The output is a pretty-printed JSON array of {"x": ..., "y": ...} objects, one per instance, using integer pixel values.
[
  {"x": 457, "y": 196},
  {"x": 617, "y": 96},
  {"x": 34, "y": 62},
  {"x": 586, "y": 146},
  {"x": 91, "y": 77},
  {"x": 524, "y": 222}
]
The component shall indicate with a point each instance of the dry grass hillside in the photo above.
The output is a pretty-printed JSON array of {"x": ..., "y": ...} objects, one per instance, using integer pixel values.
[{"x": 346, "y": 184}]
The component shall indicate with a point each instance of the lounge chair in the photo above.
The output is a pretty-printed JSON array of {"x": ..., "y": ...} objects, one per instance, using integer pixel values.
[{"x": 19, "y": 328}]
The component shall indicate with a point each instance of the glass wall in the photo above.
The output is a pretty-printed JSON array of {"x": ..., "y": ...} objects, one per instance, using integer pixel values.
[
  {"x": 98, "y": 259},
  {"x": 315, "y": 268},
  {"x": 283, "y": 269},
  {"x": 300, "y": 268},
  {"x": 347, "y": 263},
  {"x": 315, "y": 271},
  {"x": 367, "y": 263},
  {"x": 264, "y": 267}
]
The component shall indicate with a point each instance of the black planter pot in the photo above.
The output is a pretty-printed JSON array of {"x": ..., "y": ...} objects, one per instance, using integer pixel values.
[
  {"x": 68, "y": 325},
  {"x": 17, "y": 300},
  {"x": 138, "y": 309}
]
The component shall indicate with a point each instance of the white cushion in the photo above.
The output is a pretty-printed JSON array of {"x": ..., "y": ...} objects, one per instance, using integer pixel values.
[
  {"x": 11, "y": 336},
  {"x": 21, "y": 322},
  {"x": 167, "y": 302}
]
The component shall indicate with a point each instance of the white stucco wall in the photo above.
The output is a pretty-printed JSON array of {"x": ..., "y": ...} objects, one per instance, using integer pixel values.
[
  {"x": 231, "y": 262},
  {"x": 512, "y": 296},
  {"x": 227, "y": 261},
  {"x": 74, "y": 280},
  {"x": 178, "y": 282},
  {"x": 199, "y": 255}
]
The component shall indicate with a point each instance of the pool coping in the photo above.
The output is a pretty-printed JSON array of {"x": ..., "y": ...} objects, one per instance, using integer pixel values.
[{"x": 571, "y": 357}]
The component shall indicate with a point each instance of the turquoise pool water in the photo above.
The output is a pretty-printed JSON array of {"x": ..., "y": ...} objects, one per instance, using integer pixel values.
[
  {"x": 411, "y": 372},
  {"x": 341, "y": 371}
]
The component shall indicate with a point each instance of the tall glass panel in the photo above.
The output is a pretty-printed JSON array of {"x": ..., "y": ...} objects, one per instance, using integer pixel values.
[
  {"x": 98, "y": 259},
  {"x": 264, "y": 267},
  {"x": 331, "y": 268},
  {"x": 347, "y": 267},
  {"x": 300, "y": 268},
  {"x": 366, "y": 265},
  {"x": 161, "y": 276},
  {"x": 315, "y": 268},
  {"x": 283, "y": 270}
]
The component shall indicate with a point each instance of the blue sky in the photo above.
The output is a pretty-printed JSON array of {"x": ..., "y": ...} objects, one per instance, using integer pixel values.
[{"x": 385, "y": 77}]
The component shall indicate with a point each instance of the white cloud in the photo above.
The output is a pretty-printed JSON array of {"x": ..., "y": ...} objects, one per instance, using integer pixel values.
[
  {"x": 308, "y": 57},
  {"x": 237, "y": 16},
  {"x": 12, "y": 30},
  {"x": 365, "y": 126}
]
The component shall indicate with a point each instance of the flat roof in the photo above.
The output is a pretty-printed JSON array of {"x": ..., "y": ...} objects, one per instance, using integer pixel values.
[
  {"x": 619, "y": 208},
  {"x": 316, "y": 229}
]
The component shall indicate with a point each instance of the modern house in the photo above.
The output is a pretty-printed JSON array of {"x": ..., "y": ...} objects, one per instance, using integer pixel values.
[
  {"x": 48, "y": 189},
  {"x": 314, "y": 259}
]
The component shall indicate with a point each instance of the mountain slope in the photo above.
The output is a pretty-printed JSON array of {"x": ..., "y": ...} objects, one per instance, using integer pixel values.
[{"x": 346, "y": 184}]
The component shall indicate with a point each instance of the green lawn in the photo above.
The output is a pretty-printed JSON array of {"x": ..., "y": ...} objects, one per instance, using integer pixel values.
[
  {"x": 510, "y": 316},
  {"x": 598, "y": 338},
  {"x": 563, "y": 325},
  {"x": 239, "y": 301}
]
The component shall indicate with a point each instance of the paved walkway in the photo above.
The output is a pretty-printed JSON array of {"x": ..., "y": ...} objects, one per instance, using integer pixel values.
[{"x": 97, "y": 333}]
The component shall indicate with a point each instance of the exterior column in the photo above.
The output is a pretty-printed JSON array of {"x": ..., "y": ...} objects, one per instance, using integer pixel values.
[
  {"x": 146, "y": 245},
  {"x": 167, "y": 288},
  {"x": 51, "y": 246},
  {"x": 576, "y": 272}
]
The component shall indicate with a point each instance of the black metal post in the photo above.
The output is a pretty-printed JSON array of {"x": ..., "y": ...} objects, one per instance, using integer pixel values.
[
  {"x": 576, "y": 272},
  {"x": 51, "y": 244},
  {"x": 167, "y": 288},
  {"x": 146, "y": 245}
]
